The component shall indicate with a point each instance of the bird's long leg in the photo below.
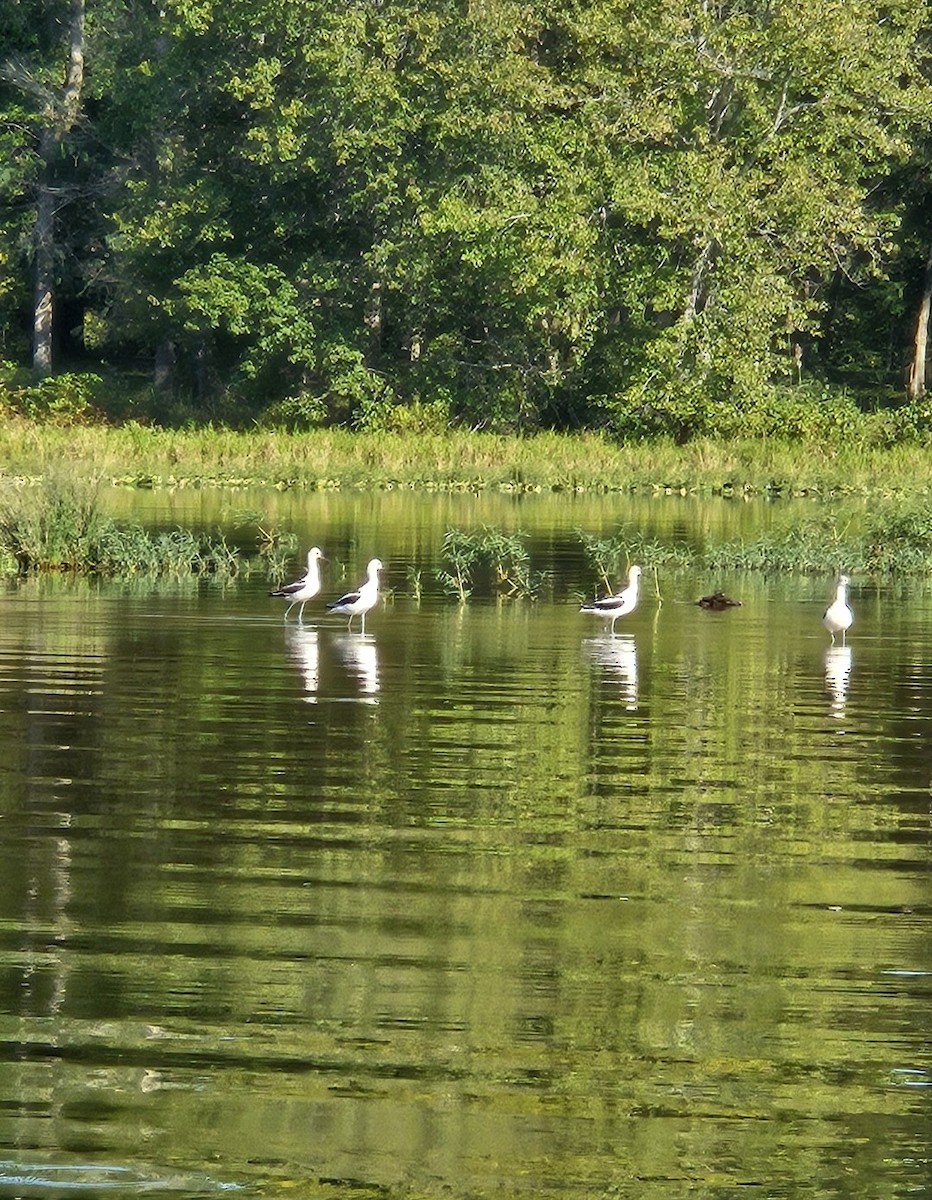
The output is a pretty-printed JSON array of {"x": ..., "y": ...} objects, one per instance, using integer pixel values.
[
  {"x": 288, "y": 609},
  {"x": 301, "y": 612}
]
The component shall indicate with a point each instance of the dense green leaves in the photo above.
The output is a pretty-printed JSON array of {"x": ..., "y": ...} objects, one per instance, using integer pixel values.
[{"x": 528, "y": 212}]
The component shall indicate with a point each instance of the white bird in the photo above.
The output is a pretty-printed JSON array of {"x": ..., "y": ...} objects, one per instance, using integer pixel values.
[
  {"x": 358, "y": 603},
  {"x": 610, "y": 608},
  {"x": 838, "y": 617},
  {"x": 303, "y": 589}
]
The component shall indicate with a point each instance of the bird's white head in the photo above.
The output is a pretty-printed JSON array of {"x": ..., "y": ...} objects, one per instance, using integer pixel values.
[
  {"x": 634, "y": 573},
  {"x": 314, "y": 554},
  {"x": 843, "y": 580},
  {"x": 375, "y": 566}
]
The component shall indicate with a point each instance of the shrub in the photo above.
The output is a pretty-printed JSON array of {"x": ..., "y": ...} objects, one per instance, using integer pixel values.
[
  {"x": 300, "y": 412},
  {"x": 416, "y": 417},
  {"x": 66, "y": 399}
]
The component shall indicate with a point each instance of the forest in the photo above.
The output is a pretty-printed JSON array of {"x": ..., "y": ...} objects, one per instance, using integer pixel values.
[{"x": 676, "y": 217}]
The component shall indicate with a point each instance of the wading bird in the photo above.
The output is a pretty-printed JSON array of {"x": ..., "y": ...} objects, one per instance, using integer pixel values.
[
  {"x": 303, "y": 589},
  {"x": 610, "y": 608},
  {"x": 838, "y": 617},
  {"x": 358, "y": 603}
]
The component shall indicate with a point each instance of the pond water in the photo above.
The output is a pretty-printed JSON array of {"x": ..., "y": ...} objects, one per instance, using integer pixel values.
[{"x": 484, "y": 902}]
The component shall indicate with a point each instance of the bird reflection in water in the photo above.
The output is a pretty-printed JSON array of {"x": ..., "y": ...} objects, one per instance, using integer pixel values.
[
  {"x": 304, "y": 649},
  {"x": 837, "y": 676},
  {"x": 619, "y": 657},
  {"x": 361, "y": 659}
]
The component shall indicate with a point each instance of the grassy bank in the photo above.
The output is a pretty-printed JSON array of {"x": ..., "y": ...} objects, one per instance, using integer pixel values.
[{"x": 134, "y": 455}]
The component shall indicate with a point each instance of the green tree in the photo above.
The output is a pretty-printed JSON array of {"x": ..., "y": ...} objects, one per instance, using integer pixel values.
[
  {"x": 744, "y": 142},
  {"x": 49, "y": 75},
  {"x": 408, "y": 178},
  {"x": 54, "y": 180},
  {"x": 529, "y": 212}
]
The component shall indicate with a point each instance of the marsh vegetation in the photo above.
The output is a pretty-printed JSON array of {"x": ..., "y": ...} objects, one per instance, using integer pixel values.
[
  {"x": 141, "y": 456},
  {"x": 58, "y": 522}
]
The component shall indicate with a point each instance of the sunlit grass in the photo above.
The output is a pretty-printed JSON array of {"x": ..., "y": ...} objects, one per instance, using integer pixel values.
[
  {"x": 140, "y": 456},
  {"x": 50, "y": 480},
  {"x": 58, "y": 525}
]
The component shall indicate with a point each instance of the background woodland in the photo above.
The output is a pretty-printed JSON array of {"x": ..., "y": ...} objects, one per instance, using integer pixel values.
[{"x": 663, "y": 217}]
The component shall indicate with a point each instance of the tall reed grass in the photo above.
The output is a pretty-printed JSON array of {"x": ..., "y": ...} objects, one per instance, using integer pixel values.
[
  {"x": 140, "y": 456},
  {"x": 58, "y": 525},
  {"x": 490, "y": 558}
]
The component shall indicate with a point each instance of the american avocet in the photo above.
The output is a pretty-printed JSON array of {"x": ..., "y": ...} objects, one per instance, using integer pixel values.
[
  {"x": 305, "y": 588},
  {"x": 717, "y": 602},
  {"x": 838, "y": 617},
  {"x": 610, "y": 608},
  {"x": 358, "y": 603}
]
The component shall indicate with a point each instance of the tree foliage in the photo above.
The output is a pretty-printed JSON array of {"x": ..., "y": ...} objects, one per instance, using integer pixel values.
[{"x": 528, "y": 212}]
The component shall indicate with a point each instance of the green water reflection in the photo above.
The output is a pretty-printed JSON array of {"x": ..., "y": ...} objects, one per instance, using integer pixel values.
[{"x": 483, "y": 903}]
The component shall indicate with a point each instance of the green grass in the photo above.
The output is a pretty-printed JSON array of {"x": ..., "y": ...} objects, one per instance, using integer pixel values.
[
  {"x": 140, "y": 456},
  {"x": 58, "y": 525},
  {"x": 50, "y": 479}
]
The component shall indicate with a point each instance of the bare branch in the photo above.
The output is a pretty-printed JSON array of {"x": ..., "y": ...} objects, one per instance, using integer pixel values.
[{"x": 16, "y": 72}]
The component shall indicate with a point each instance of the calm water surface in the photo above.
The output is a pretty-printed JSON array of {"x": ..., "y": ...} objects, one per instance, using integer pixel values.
[{"x": 482, "y": 903}]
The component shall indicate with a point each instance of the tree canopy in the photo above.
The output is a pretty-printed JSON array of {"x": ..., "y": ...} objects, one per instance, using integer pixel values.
[{"x": 514, "y": 212}]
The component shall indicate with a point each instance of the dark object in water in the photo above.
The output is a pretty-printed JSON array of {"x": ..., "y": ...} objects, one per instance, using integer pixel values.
[{"x": 718, "y": 602}]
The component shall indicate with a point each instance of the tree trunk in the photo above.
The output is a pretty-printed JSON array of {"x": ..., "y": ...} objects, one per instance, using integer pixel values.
[
  {"x": 44, "y": 266},
  {"x": 916, "y": 380},
  {"x": 164, "y": 373},
  {"x": 372, "y": 320},
  {"x": 60, "y": 116}
]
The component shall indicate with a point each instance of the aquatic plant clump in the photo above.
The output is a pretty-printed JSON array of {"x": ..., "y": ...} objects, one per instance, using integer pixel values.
[
  {"x": 131, "y": 550},
  {"x": 813, "y": 545},
  {"x": 487, "y": 556},
  {"x": 899, "y": 540},
  {"x": 610, "y": 557},
  {"x": 893, "y": 538},
  {"x": 58, "y": 526}
]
